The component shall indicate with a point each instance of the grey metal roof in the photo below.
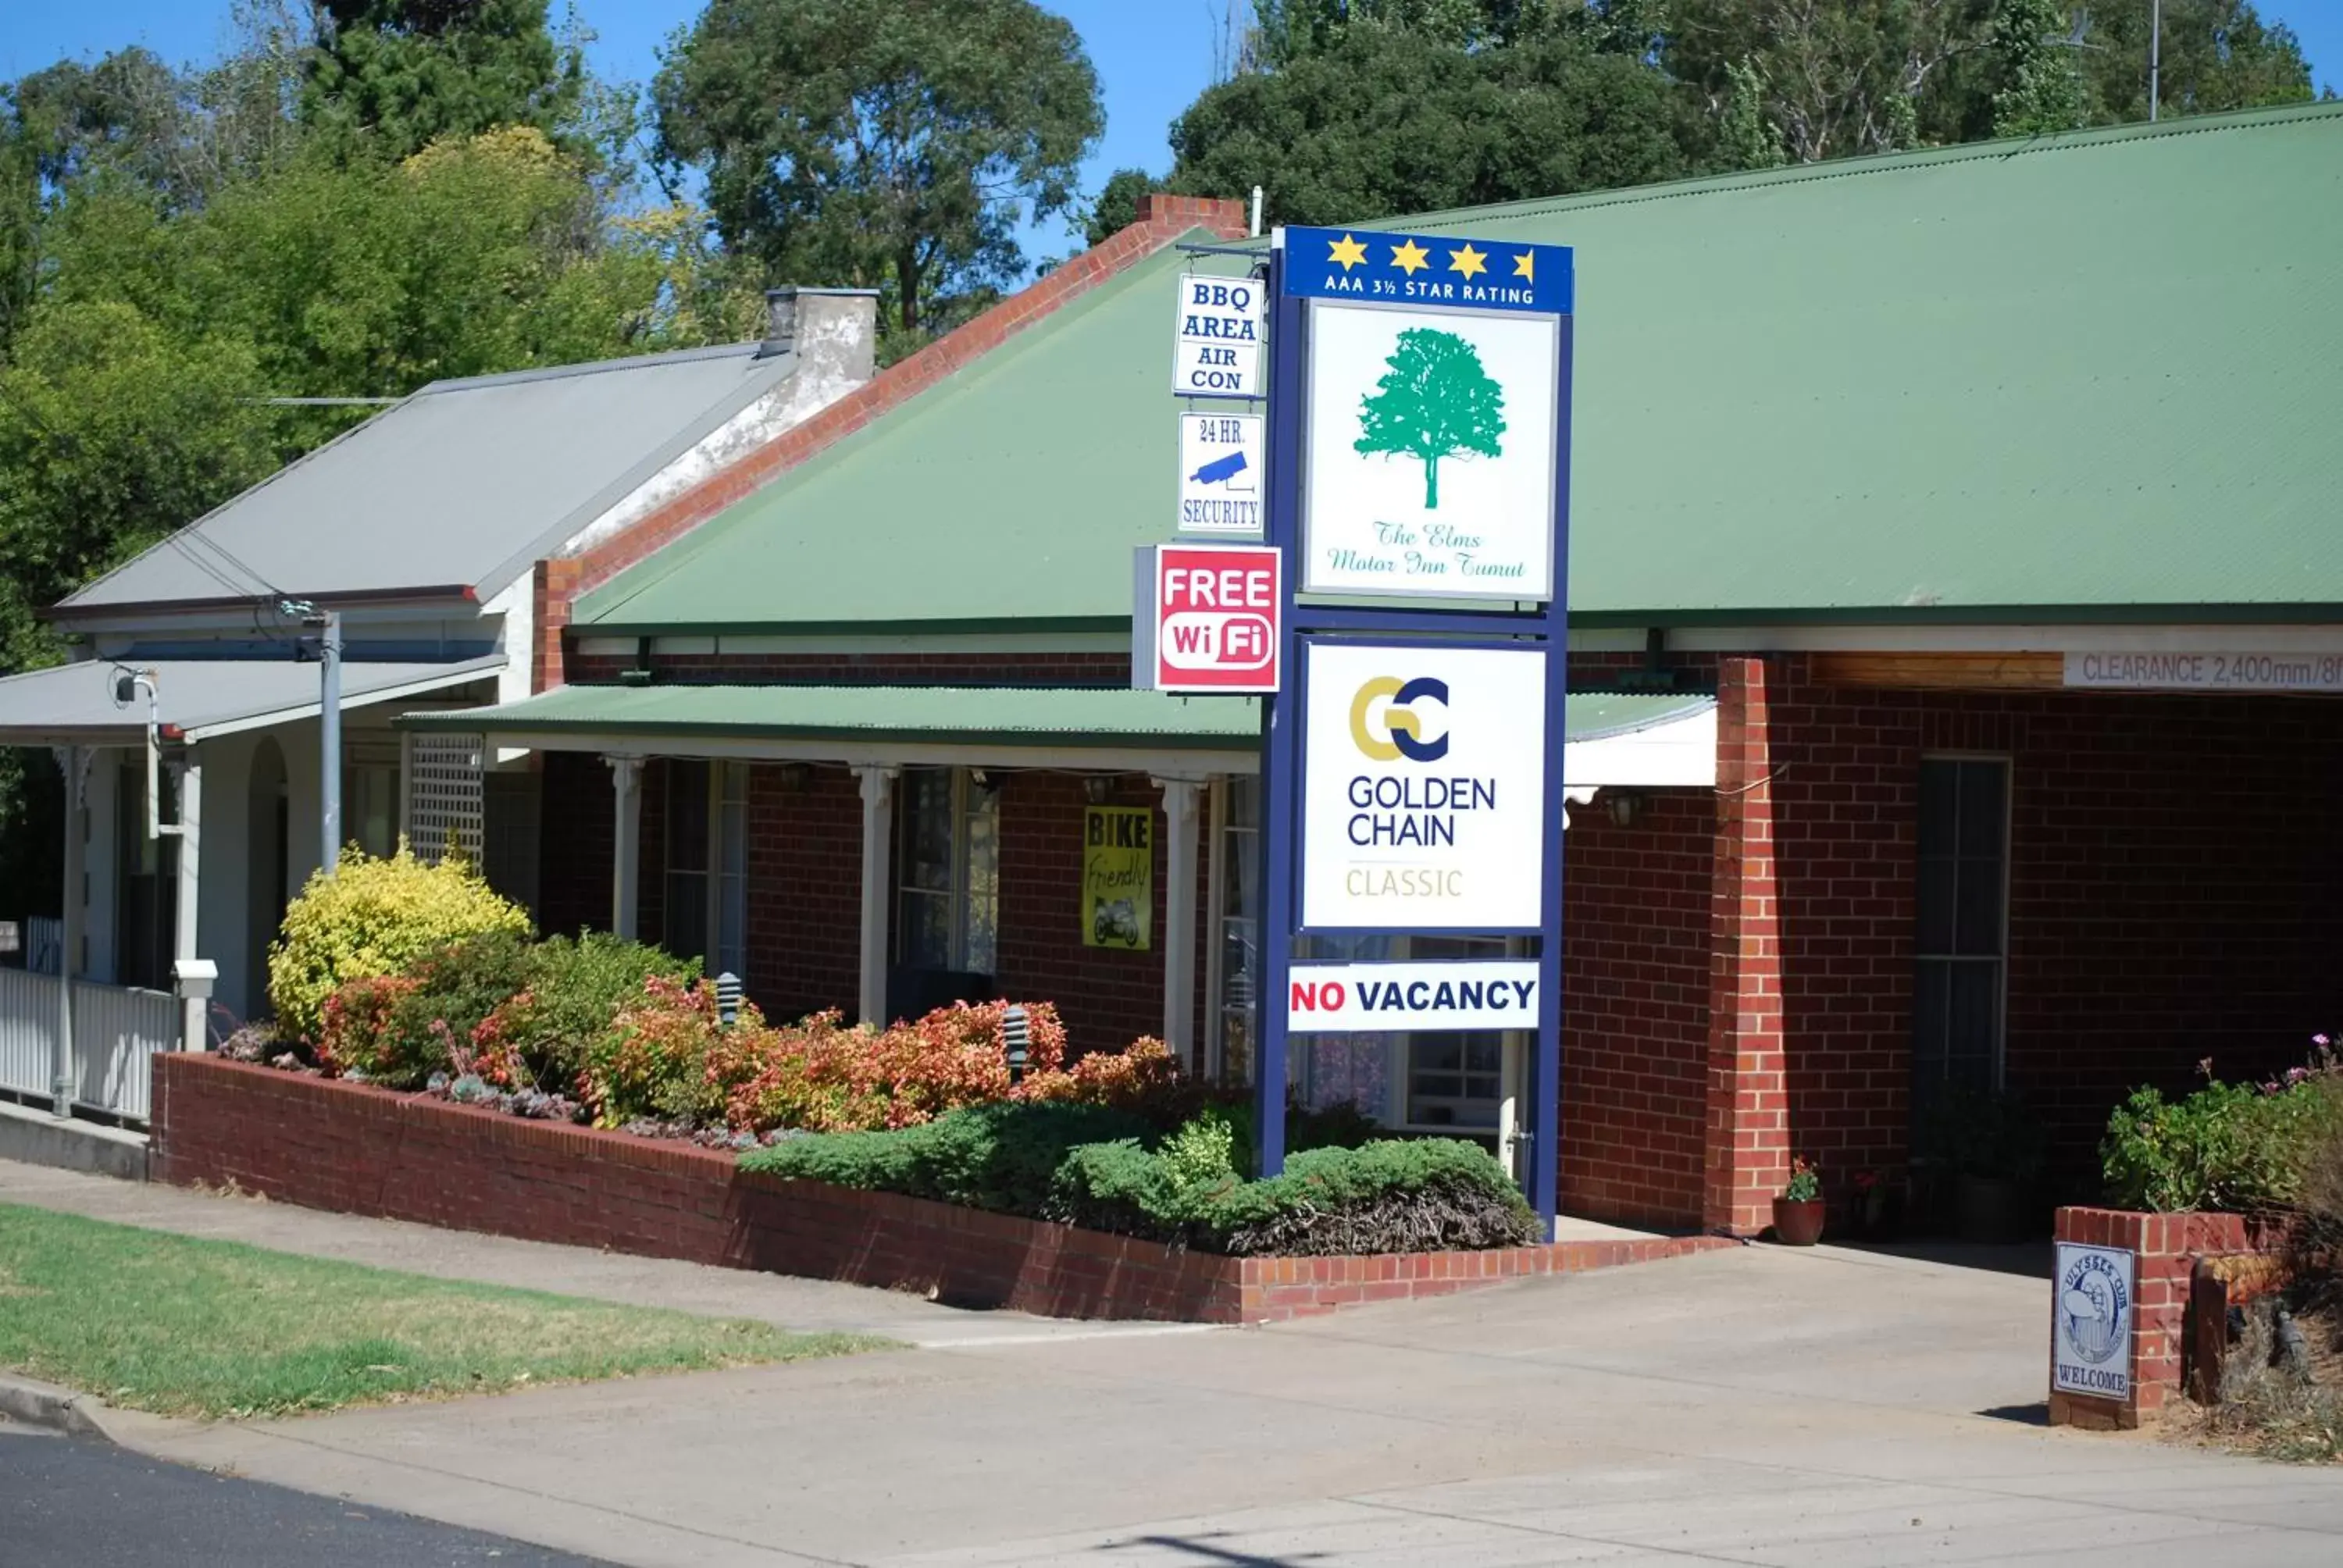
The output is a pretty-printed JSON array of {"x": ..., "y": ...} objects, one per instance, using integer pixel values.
[
  {"x": 462, "y": 484},
  {"x": 73, "y": 704}
]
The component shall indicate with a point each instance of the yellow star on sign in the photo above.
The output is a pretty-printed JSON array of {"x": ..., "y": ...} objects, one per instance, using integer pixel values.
[
  {"x": 1468, "y": 261},
  {"x": 1521, "y": 266},
  {"x": 1347, "y": 252},
  {"x": 1410, "y": 259}
]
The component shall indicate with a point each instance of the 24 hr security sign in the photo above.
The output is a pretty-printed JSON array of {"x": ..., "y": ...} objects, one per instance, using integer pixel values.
[{"x": 1423, "y": 779}]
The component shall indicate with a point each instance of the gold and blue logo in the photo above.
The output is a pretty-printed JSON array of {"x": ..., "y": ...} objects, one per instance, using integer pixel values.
[{"x": 1401, "y": 727}]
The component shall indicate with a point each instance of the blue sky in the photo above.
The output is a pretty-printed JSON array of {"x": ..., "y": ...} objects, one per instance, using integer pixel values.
[{"x": 1153, "y": 56}]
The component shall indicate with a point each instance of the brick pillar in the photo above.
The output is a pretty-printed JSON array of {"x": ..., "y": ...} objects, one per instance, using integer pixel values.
[
  {"x": 554, "y": 585},
  {"x": 1747, "y": 1135}
]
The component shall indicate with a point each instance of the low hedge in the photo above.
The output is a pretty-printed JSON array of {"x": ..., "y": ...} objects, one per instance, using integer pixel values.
[
  {"x": 1001, "y": 1156},
  {"x": 1095, "y": 1167}
]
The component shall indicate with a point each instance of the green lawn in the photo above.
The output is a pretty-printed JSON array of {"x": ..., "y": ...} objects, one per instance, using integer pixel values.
[{"x": 183, "y": 1327}]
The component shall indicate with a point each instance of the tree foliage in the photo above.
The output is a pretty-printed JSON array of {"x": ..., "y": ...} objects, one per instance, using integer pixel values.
[
  {"x": 179, "y": 247},
  {"x": 2042, "y": 90},
  {"x": 392, "y": 77},
  {"x": 1377, "y": 122},
  {"x": 1347, "y": 110},
  {"x": 881, "y": 143}
]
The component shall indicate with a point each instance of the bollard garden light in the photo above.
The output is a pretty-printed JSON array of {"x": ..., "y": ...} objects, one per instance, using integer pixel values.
[
  {"x": 728, "y": 999},
  {"x": 1016, "y": 1037}
]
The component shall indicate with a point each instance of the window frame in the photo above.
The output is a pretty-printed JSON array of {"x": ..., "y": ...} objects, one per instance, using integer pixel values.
[
  {"x": 1998, "y": 1062},
  {"x": 724, "y": 867},
  {"x": 959, "y": 895}
]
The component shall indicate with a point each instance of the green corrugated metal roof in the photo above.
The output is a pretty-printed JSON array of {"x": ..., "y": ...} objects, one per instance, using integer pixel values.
[
  {"x": 2096, "y": 374},
  {"x": 1004, "y": 716}
]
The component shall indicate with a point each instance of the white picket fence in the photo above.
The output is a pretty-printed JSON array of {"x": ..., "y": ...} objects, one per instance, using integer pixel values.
[{"x": 115, "y": 1030}]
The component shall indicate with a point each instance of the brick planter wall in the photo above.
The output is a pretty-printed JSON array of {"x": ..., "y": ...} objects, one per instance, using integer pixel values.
[
  {"x": 361, "y": 1150},
  {"x": 2168, "y": 1247}
]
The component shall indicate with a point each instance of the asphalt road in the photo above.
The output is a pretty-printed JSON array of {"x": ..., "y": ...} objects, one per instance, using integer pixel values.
[{"x": 66, "y": 1503}]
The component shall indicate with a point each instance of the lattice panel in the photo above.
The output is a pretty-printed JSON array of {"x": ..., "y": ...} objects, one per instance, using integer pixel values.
[{"x": 443, "y": 795}]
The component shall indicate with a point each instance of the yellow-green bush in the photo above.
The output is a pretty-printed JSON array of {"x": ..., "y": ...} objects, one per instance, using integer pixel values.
[{"x": 376, "y": 918}]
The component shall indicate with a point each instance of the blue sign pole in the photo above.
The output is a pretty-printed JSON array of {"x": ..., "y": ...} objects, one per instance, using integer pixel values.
[
  {"x": 1280, "y": 729},
  {"x": 1407, "y": 271}
]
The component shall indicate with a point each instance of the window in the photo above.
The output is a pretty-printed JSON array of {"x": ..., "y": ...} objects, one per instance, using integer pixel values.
[
  {"x": 1451, "y": 1082},
  {"x": 146, "y": 910},
  {"x": 370, "y": 809},
  {"x": 1238, "y": 893},
  {"x": 686, "y": 914},
  {"x": 950, "y": 892},
  {"x": 706, "y": 886},
  {"x": 1961, "y": 942}
]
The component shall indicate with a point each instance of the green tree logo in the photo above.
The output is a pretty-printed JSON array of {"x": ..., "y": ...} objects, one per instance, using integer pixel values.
[{"x": 1434, "y": 401}]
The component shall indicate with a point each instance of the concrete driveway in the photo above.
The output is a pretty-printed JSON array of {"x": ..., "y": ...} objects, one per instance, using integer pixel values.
[{"x": 1756, "y": 1406}]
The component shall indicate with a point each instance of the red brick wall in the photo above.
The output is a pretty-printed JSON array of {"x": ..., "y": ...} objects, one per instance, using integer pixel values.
[
  {"x": 2170, "y": 895},
  {"x": 1635, "y": 973},
  {"x": 805, "y": 891},
  {"x": 364, "y": 1151},
  {"x": 1748, "y": 1132},
  {"x": 2167, "y": 1246},
  {"x": 1107, "y": 998},
  {"x": 1110, "y": 670}
]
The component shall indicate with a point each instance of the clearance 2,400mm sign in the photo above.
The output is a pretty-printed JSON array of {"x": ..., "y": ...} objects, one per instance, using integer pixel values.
[{"x": 1441, "y": 993}]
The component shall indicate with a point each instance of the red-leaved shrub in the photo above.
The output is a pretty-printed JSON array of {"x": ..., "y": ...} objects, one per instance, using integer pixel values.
[{"x": 356, "y": 1033}]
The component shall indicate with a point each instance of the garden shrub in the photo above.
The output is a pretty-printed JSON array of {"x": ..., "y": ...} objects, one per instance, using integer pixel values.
[
  {"x": 572, "y": 989},
  {"x": 650, "y": 1061},
  {"x": 1001, "y": 1156},
  {"x": 1388, "y": 1196},
  {"x": 1392, "y": 1195},
  {"x": 823, "y": 1077},
  {"x": 374, "y": 918},
  {"x": 1101, "y": 1167},
  {"x": 2237, "y": 1147},
  {"x": 355, "y": 1039},
  {"x": 456, "y": 988}
]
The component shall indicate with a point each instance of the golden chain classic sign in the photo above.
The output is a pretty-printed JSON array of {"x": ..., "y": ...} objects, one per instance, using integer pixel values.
[{"x": 1119, "y": 877}]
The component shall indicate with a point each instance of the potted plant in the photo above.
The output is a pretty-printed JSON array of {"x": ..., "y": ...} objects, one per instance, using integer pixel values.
[
  {"x": 1994, "y": 1145},
  {"x": 1799, "y": 1211},
  {"x": 1879, "y": 1207}
]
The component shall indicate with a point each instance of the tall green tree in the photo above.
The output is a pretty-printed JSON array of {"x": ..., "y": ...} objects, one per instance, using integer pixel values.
[
  {"x": 2218, "y": 54},
  {"x": 1382, "y": 120},
  {"x": 2042, "y": 90},
  {"x": 392, "y": 77},
  {"x": 881, "y": 143}
]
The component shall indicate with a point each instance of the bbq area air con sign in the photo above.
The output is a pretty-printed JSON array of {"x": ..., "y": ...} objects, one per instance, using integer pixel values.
[
  {"x": 1216, "y": 350},
  {"x": 1423, "y": 787}
]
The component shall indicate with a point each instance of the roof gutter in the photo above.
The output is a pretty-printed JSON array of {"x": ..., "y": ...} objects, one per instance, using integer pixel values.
[{"x": 67, "y": 612}]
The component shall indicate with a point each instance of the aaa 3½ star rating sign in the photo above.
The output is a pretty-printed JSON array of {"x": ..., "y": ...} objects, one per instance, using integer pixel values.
[{"x": 1430, "y": 433}]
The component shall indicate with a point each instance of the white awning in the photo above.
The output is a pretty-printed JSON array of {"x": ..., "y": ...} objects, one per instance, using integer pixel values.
[{"x": 73, "y": 704}]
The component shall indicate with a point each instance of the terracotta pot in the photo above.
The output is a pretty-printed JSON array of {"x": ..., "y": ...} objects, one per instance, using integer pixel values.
[
  {"x": 1798, "y": 1224},
  {"x": 1990, "y": 1209}
]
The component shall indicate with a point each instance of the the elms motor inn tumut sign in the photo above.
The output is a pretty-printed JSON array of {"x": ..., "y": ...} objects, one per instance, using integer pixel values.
[
  {"x": 1422, "y": 788},
  {"x": 1429, "y": 421}
]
